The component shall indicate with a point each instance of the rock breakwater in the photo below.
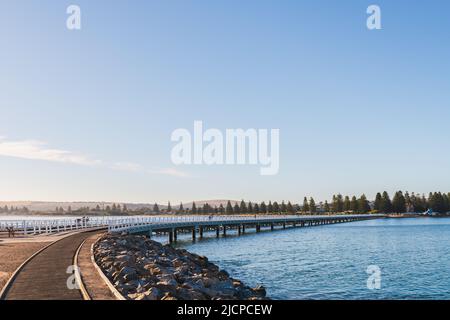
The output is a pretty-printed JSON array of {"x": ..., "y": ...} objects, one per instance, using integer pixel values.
[{"x": 142, "y": 269}]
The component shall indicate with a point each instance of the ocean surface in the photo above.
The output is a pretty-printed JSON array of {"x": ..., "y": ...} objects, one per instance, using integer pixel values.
[{"x": 410, "y": 257}]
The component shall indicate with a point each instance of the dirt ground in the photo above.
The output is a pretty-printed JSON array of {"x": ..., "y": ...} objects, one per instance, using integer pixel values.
[{"x": 13, "y": 254}]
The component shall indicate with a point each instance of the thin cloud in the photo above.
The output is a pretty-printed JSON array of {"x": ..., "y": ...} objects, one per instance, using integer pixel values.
[
  {"x": 127, "y": 166},
  {"x": 170, "y": 172},
  {"x": 38, "y": 150}
]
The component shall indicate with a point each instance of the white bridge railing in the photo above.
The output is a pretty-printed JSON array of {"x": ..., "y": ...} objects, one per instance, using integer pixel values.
[
  {"x": 48, "y": 226},
  {"x": 121, "y": 225},
  {"x": 124, "y": 224}
]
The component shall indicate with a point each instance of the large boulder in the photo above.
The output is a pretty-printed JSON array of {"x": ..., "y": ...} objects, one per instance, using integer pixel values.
[
  {"x": 260, "y": 290},
  {"x": 153, "y": 294}
]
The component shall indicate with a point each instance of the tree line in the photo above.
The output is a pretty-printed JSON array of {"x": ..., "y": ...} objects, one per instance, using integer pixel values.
[
  {"x": 401, "y": 203},
  {"x": 437, "y": 201},
  {"x": 12, "y": 209}
]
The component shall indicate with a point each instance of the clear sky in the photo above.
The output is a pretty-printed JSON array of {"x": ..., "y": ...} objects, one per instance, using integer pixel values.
[{"x": 88, "y": 114}]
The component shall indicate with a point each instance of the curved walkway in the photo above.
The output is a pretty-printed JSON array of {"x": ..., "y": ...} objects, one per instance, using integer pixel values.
[{"x": 46, "y": 275}]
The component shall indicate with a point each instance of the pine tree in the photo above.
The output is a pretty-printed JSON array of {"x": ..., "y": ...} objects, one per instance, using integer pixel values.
[
  {"x": 256, "y": 209},
  {"x": 425, "y": 202},
  {"x": 378, "y": 202},
  {"x": 363, "y": 204},
  {"x": 221, "y": 209},
  {"x": 334, "y": 204},
  {"x": 243, "y": 207},
  {"x": 446, "y": 202},
  {"x": 181, "y": 208},
  {"x": 169, "y": 207},
  {"x": 290, "y": 208},
  {"x": 340, "y": 203},
  {"x": 354, "y": 204},
  {"x": 347, "y": 203},
  {"x": 432, "y": 201},
  {"x": 326, "y": 207},
  {"x": 413, "y": 202},
  {"x": 270, "y": 207},
  {"x": 448, "y": 197},
  {"x": 408, "y": 203},
  {"x": 155, "y": 208},
  {"x": 337, "y": 204},
  {"x": 420, "y": 204},
  {"x": 236, "y": 209},
  {"x": 386, "y": 204},
  {"x": 399, "y": 203},
  {"x": 312, "y": 205},
  {"x": 194, "y": 208},
  {"x": 283, "y": 208},
  {"x": 263, "y": 208},
  {"x": 441, "y": 203},
  {"x": 276, "y": 208},
  {"x": 229, "y": 209},
  {"x": 250, "y": 209},
  {"x": 305, "y": 208},
  {"x": 437, "y": 202}
]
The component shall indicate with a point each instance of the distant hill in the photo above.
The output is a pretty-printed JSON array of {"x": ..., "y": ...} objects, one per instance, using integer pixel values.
[{"x": 50, "y": 206}]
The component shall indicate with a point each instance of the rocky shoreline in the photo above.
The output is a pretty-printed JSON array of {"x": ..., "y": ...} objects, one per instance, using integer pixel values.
[{"x": 142, "y": 269}]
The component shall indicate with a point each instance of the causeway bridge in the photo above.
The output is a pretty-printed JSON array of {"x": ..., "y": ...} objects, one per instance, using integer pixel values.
[
  {"x": 198, "y": 225},
  {"x": 173, "y": 224},
  {"x": 47, "y": 268}
]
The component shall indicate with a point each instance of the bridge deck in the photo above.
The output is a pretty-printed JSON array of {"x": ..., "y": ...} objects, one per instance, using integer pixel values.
[{"x": 194, "y": 223}]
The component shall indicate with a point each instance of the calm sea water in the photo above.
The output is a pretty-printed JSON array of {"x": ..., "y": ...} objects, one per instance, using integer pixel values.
[{"x": 330, "y": 262}]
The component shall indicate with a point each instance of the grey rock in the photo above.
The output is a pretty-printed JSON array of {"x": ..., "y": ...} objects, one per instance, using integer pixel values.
[
  {"x": 153, "y": 294},
  {"x": 142, "y": 269}
]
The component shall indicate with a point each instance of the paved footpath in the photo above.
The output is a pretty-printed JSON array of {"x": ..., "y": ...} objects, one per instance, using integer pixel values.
[{"x": 45, "y": 276}]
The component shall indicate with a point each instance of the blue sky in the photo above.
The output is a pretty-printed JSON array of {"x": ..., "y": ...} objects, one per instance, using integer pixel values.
[{"x": 359, "y": 111}]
